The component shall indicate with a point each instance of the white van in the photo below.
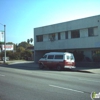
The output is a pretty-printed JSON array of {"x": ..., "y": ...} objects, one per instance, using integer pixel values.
[{"x": 58, "y": 60}]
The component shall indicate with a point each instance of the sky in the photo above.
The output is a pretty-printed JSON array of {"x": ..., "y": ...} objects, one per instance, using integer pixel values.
[{"x": 22, "y": 16}]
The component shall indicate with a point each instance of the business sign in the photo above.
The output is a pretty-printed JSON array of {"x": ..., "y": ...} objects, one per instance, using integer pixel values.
[
  {"x": 1, "y": 36},
  {"x": 9, "y": 47}
]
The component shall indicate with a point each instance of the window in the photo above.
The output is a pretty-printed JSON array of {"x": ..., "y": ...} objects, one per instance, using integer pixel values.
[
  {"x": 52, "y": 36},
  {"x": 39, "y": 38},
  {"x": 75, "y": 34},
  {"x": 58, "y": 56},
  {"x": 72, "y": 57},
  {"x": 67, "y": 57},
  {"x": 45, "y": 56},
  {"x": 50, "y": 56},
  {"x": 59, "y": 36},
  {"x": 66, "y": 35},
  {"x": 90, "y": 31}
]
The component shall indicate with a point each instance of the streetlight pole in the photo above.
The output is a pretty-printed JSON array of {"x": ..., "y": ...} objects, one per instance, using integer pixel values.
[{"x": 4, "y": 42}]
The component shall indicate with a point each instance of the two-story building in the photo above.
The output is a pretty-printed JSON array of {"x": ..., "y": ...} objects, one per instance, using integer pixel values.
[{"x": 82, "y": 35}]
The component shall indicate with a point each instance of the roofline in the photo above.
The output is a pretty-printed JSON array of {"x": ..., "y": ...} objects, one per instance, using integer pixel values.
[{"x": 67, "y": 21}]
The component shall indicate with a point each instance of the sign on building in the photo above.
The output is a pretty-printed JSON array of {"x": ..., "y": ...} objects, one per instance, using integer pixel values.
[{"x": 9, "y": 47}]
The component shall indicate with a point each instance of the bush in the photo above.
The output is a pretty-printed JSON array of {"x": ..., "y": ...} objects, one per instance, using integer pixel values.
[{"x": 20, "y": 54}]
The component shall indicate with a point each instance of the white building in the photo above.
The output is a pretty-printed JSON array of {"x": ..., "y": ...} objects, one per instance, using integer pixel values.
[{"x": 82, "y": 35}]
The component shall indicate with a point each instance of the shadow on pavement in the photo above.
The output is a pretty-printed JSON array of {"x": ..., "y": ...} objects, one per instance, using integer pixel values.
[
  {"x": 23, "y": 66},
  {"x": 34, "y": 66}
]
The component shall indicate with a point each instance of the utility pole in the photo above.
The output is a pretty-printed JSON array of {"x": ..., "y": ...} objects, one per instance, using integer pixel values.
[{"x": 4, "y": 42}]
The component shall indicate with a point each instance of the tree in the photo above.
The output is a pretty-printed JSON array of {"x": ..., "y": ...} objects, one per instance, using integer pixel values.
[
  {"x": 28, "y": 41},
  {"x": 20, "y": 49},
  {"x": 27, "y": 54},
  {"x": 31, "y": 40},
  {"x": 11, "y": 43},
  {"x": 24, "y": 45},
  {"x": 16, "y": 46}
]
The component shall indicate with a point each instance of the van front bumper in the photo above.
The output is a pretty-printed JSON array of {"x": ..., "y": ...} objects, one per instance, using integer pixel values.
[{"x": 69, "y": 67}]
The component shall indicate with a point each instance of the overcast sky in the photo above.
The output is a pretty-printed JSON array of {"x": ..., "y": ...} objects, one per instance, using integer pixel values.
[{"x": 22, "y": 16}]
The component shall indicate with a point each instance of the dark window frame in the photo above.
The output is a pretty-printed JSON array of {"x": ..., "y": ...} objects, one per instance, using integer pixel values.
[
  {"x": 66, "y": 35},
  {"x": 39, "y": 38},
  {"x": 75, "y": 34},
  {"x": 90, "y": 31},
  {"x": 59, "y": 36}
]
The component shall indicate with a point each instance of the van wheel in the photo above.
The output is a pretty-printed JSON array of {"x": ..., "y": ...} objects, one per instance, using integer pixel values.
[
  {"x": 59, "y": 68},
  {"x": 41, "y": 66}
]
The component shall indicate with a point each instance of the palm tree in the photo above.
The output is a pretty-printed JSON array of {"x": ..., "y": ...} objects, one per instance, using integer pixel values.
[
  {"x": 28, "y": 41},
  {"x": 31, "y": 40}
]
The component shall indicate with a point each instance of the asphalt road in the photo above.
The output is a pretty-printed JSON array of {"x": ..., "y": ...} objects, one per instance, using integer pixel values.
[{"x": 27, "y": 82}]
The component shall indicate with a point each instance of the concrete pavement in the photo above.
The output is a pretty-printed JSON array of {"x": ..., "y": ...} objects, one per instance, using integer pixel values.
[
  {"x": 15, "y": 62},
  {"x": 81, "y": 67},
  {"x": 88, "y": 70},
  {"x": 91, "y": 67},
  {"x": 16, "y": 84}
]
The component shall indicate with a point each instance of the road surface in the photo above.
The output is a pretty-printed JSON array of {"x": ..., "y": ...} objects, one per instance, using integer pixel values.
[{"x": 27, "y": 82}]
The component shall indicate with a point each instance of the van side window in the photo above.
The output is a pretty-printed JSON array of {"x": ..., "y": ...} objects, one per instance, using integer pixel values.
[
  {"x": 58, "y": 56},
  {"x": 50, "y": 56},
  {"x": 67, "y": 57}
]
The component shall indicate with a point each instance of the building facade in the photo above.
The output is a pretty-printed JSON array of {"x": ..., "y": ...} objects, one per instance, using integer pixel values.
[{"x": 82, "y": 35}]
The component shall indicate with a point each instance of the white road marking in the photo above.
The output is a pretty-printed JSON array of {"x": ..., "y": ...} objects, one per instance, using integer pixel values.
[
  {"x": 66, "y": 88},
  {"x": 88, "y": 80},
  {"x": 2, "y": 75}
]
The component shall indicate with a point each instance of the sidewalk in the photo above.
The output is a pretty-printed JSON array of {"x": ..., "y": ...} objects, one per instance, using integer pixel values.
[
  {"x": 80, "y": 67},
  {"x": 89, "y": 67},
  {"x": 14, "y": 62},
  {"x": 88, "y": 70}
]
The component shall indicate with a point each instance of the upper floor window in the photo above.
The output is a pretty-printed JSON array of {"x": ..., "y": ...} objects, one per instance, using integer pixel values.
[
  {"x": 66, "y": 35},
  {"x": 39, "y": 38},
  {"x": 75, "y": 34},
  {"x": 52, "y": 37},
  {"x": 91, "y": 31},
  {"x": 59, "y": 36}
]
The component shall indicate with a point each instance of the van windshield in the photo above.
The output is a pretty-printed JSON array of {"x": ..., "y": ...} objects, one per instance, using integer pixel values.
[{"x": 44, "y": 56}]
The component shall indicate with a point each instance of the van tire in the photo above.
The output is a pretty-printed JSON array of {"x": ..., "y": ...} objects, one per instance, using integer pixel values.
[
  {"x": 41, "y": 66},
  {"x": 59, "y": 68}
]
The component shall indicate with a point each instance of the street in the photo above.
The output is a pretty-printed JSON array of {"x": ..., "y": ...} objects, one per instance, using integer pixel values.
[{"x": 27, "y": 82}]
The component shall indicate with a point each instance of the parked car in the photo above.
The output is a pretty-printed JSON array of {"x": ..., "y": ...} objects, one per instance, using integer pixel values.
[{"x": 58, "y": 60}]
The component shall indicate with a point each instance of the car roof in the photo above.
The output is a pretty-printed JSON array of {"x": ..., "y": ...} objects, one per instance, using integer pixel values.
[{"x": 58, "y": 53}]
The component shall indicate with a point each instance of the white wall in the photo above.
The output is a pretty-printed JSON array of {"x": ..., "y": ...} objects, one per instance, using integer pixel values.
[
  {"x": 83, "y": 33},
  {"x": 84, "y": 42}
]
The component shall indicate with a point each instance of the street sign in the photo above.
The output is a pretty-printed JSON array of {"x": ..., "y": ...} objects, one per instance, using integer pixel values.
[{"x": 1, "y": 36}]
